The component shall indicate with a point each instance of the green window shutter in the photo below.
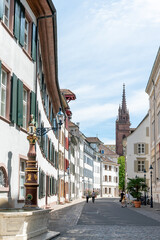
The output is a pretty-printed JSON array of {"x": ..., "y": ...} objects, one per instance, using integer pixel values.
[
  {"x": 39, "y": 183},
  {"x": 0, "y": 73},
  {"x": 19, "y": 103},
  {"x": 22, "y": 24},
  {"x": 33, "y": 104},
  {"x": 17, "y": 19},
  {"x": 34, "y": 41},
  {"x": 46, "y": 146},
  {"x": 13, "y": 113},
  {"x": 51, "y": 116},
  {"x": 50, "y": 150},
  {"x": 1, "y": 9},
  {"x": 51, "y": 186}
]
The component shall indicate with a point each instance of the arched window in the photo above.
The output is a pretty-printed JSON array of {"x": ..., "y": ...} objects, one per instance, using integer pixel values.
[{"x": 2, "y": 177}]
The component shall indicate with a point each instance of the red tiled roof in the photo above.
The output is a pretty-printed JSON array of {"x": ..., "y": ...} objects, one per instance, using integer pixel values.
[{"x": 93, "y": 140}]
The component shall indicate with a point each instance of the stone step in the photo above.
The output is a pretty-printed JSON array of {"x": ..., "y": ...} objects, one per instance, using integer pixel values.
[{"x": 46, "y": 236}]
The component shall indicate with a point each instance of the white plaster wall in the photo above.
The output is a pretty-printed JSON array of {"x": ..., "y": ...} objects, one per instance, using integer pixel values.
[
  {"x": 138, "y": 136},
  {"x": 12, "y": 54}
]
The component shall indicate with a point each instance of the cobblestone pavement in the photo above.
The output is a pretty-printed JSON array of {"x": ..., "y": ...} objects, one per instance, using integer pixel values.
[{"x": 106, "y": 220}]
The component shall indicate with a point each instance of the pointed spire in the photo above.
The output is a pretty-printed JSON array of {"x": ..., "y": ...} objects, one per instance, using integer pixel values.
[{"x": 124, "y": 108}]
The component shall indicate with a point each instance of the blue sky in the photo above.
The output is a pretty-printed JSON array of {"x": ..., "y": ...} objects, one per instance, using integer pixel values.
[{"x": 101, "y": 45}]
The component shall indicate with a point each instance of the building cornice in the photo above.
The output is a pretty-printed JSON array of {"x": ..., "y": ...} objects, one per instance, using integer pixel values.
[
  {"x": 153, "y": 74},
  {"x": 48, "y": 40}
]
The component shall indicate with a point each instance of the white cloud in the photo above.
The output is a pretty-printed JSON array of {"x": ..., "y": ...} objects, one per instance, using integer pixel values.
[
  {"x": 95, "y": 113},
  {"x": 103, "y": 44},
  {"x": 138, "y": 102}
]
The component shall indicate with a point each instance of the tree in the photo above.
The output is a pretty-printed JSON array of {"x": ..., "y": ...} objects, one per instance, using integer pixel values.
[
  {"x": 121, "y": 162},
  {"x": 135, "y": 187}
]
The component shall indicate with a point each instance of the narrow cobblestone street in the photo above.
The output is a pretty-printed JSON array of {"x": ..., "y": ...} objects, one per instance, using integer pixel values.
[{"x": 105, "y": 219}]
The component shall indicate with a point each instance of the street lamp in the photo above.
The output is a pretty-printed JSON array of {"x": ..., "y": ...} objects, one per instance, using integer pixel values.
[
  {"x": 151, "y": 186},
  {"x": 145, "y": 183},
  {"x": 60, "y": 120}
]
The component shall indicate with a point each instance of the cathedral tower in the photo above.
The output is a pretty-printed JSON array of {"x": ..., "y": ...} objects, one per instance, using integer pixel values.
[{"x": 122, "y": 124}]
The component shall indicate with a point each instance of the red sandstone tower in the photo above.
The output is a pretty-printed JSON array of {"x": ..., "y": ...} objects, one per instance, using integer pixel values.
[{"x": 122, "y": 124}]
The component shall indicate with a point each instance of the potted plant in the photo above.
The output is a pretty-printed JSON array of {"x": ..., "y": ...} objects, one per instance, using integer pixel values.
[{"x": 135, "y": 186}]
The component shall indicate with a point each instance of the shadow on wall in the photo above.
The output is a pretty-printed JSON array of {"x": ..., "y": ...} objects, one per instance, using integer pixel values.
[{"x": 5, "y": 200}]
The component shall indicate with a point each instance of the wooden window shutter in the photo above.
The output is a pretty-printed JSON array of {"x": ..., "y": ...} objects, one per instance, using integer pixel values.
[
  {"x": 136, "y": 166},
  {"x": 33, "y": 104},
  {"x": 19, "y": 103},
  {"x": 147, "y": 166},
  {"x": 39, "y": 183},
  {"x": 146, "y": 148},
  {"x": 22, "y": 24},
  {"x": 51, "y": 116},
  {"x": 34, "y": 41},
  {"x": 13, "y": 113},
  {"x": 135, "y": 148},
  {"x": 46, "y": 146},
  {"x": 50, "y": 150},
  {"x": 17, "y": 19},
  {"x": 147, "y": 131},
  {"x": 1, "y": 9}
]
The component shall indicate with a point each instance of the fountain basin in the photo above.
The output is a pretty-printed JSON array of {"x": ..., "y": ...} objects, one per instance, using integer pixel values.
[{"x": 19, "y": 224}]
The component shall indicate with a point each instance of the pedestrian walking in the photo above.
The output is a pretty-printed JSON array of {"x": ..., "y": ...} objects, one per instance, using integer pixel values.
[
  {"x": 122, "y": 194},
  {"x": 124, "y": 202},
  {"x": 87, "y": 197},
  {"x": 93, "y": 196}
]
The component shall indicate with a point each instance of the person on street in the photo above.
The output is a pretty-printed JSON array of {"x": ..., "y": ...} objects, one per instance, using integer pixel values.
[
  {"x": 122, "y": 194},
  {"x": 87, "y": 197},
  {"x": 93, "y": 196},
  {"x": 124, "y": 202}
]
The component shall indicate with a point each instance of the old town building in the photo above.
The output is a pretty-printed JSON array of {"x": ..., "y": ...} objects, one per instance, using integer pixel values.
[
  {"x": 153, "y": 91},
  {"x": 29, "y": 85},
  {"x": 138, "y": 152},
  {"x": 122, "y": 124}
]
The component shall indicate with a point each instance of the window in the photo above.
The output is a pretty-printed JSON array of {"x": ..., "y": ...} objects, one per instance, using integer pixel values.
[
  {"x": 110, "y": 178},
  {"x": 24, "y": 108},
  {"x": 3, "y": 93},
  {"x": 105, "y": 190},
  {"x": 22, "y": 179},
  {"x": 26, "y": 34},
  {"x": 109, "y": 190},
  {"x": 110, "y": 168},
  {"x": 105, "y": 167},
  {"x": 105, "y": 178},
  {"x": 141, "y": 148},
  {"x": 6, "y": 12},
  {"x": 2, "y": 178},
  {"x": 141, "y": 166}
]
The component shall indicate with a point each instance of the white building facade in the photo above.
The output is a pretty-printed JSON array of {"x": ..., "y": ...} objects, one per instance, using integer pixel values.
[
  {"x": 138, "y": 151},
  {"x": 29, "y": 85}
]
